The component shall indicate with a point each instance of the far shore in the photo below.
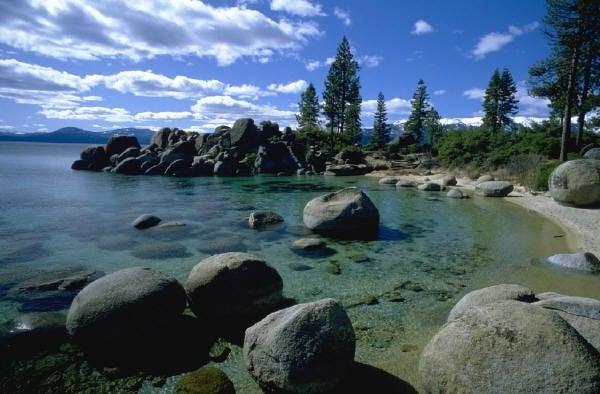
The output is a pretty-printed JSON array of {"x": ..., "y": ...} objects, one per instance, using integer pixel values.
[{"x": 581, "y": 225}]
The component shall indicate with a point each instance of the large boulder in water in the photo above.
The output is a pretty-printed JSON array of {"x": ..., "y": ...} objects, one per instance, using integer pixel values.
[
  {"x": 167, "y": 137},
  {"x": 576, "y": 182},
  {"x": 306, "y": 348},
  {"x": 125, "y": 304},
  {"x": 488, "y": 295},
  {"x": 130, "y": 166},
  {"x": 118, "y": 144},
  {"x": 233, "y": 287},
  {"x": 244, "y": 134},
  {"x": 96, "y": 156},
  {"x": 509, "y": 347},
  {"x": 583, "y": 262},
  {"x": 183, "y": 150},
  {"x": 494, "y": 188},
  {"x": 258, "y": 219},
  {"x": 348, "y": 212}
]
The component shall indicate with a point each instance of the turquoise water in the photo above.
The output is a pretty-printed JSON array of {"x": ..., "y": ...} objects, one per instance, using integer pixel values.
[{"x": 397, "y": 289}]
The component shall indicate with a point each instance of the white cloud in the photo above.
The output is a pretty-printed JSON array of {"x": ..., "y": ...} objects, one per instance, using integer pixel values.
[
  {"x": 329, "y": 60},
  {"x": 145, "y": 116},
  {"x": 246, "y": 91},
  {"x": 394, "y": 106},
  {"x": 528, "y": 105},
  {"x": 90, "y": 30},
  {"x": 421, "y": 27},
  {"x": 312, "y": 65},
  {"x": 343, "y": 15},
  {"x": 439, "y": 92},
  {"x": 6, "y": 127},
  {"x": 298, "y": 7},
  {"x": 370, "y": 60},
  {"x": 226, "y": 107},
  {"x": 474, "y": 93},
  {"x": 89, "y": 113},
  {"x": 289, "y": 88},
  {"x": 493, "y": 42},
  {"x": 25, "y": 76}
]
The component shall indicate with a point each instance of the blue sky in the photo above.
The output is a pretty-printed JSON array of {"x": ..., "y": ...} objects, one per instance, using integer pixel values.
[{"x": 105, "y": 64}]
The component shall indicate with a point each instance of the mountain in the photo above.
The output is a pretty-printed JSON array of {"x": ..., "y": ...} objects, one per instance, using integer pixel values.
[{"x": 78, "y": 136}]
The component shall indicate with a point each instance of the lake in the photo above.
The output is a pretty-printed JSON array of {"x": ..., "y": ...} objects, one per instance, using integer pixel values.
[{"x": 398, "y": 289}]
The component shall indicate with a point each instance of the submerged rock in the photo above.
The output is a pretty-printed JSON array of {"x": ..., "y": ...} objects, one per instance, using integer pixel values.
[
  {"x": 223, "y": 244},
  {"x": 233, "y": 287},
  {"x": 206, "y": 380},
  {"x": 389, "y": 180},
  {"x": 488, "y": 295},
  {"x": 406, "y": 183},
  {"x": 308, "y": 244},
  {"x": 306, "y": 348},
  {"x": 348, "y": 212},
  {"x": 260, "y": 219},
  {"x": 509, "y": 347},
  {"x": 125, "y": 304},
  {"x": 455, "y": 193},
  {"x": 158, "y": 250},
  {"x": 584, "y": 262},
  {"x": 494, "y": 189},
  {"x": 146, "y": 221},
  {"x": 576, "y": 182}
]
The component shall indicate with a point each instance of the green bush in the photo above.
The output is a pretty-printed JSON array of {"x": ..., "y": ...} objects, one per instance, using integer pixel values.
[{"x": 543, "y": 174}]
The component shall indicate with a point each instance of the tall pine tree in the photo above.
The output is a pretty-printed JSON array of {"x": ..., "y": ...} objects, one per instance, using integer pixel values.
[
  {"x": 381, "y": 128},
  {"x": 416, "y": 121},
  {"x": 433, "y": 127},
  {"x": 508, "y": 105},
  {"x": 342, "y": 89},
  {"x": 308, "y": 108},
  {"x": 491, "y": 103}
]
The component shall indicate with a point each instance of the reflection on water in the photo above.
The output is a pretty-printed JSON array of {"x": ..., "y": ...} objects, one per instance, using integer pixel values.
[{"x": 398, "y": 288}]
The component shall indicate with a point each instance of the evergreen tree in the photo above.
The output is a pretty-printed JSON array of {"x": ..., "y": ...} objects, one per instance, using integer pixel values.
[
  {"x": 491, "y": 103},
  {"x": 342, "y": 89},
  {"x": 507, "y": 105},
  {"x": 381, "y": 128},
  {"x": 433, "y": 127},
  {"x": 308, "y": 108},
  {"x": 416, "y": 121},
  {"x": 353, "y": 132}
]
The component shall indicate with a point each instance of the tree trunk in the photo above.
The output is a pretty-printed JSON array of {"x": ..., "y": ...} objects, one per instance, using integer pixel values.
[
  {"x": 566, "y": 130},
  {"x": 587, "y": 70}
]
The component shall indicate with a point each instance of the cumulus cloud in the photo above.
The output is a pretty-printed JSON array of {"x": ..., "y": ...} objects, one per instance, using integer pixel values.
[
  {"x": 493, "y": 42},
  {"x": 394, "y": 106},
  {"x": 439, "y": 92},
  {"x": 421, "y": 27},
  {"x": 289, "y": 88},
  {"x": 90, "y": 30},
  {"x": 370, "y": 60},
  {"x": 474, "y": 93},
  {"x": 343, "y": 16},
  {"x": 298, "y": 7}
]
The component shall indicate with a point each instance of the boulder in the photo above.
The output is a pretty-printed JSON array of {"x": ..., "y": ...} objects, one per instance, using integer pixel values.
[
  {"x": 586, "y": 148},
  {"x": 405, "y": 183},
  {"x": 259, "y": 219},
  {"x": 145, "y": 221},
  {"x": 244, "y": 134},
  {"x": 96, "y": 156},
  {"x": 348, "y": 212},
  {"x": 175, "y": 167},
  {"x": 430, "y": 187},
  {"x": 449, "y": 180},
  {"x": 183, "y": 150},
  {"x": 130, "y": 166},
  {"x": 485, "y": 178},
  {"x": 389, "y": 180},
  {"x": 494, "y": 188},
  {"x": 125, "y": 304},
  {"x": 127, "y": 153},
  {"x": 306, "y": 348},
  {"x": 205, "y": 380},
  {"x": 576, "y": 182},
  {"x": 593, "y": 154},
  {"x": 81, "y": 165},
  {"x": 488, "y": 295},
  {"x": 118, "y": 144},
  {"x": 233, "y": 287},
  {"x": 347, "y": 169},
  {"x": 509, "y": 347},
  {"x": 579, "y": 306},
  {"x": 157, "y": 169},
  {"x": 161, "y": 138},
  {"x": 273, "y": 158},
  {"x": 455, "y": 193},
  {"x": 224, "y": 168},
  {"x": 584, "y": 262}
]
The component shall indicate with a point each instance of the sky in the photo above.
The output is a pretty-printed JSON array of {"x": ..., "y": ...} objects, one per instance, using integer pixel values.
[{"x": 194, "y": 64}]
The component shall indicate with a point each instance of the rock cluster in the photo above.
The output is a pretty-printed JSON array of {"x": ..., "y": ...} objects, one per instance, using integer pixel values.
[{"x": 244, "y": 149}]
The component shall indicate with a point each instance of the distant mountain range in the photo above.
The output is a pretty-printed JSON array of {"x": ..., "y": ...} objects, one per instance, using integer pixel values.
[{"x": 76, "y": 135}]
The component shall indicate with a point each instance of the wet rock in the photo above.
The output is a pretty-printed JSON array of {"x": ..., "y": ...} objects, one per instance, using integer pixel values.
[
  {"x": 175, "y": 167},
  {"x": 405, "y": 183},
  {"x": 158, "y": 250},
  {"x": 389, "y": 180},
  {"x": 118, "y": 144},
  {"x": 130, "y": 166},
  {"x": 146, "y": 221},
  {"x": 494, "y": 189},
  {"x": 348, "y": 212},
  {"x": 488, "y": 295},
  {"x": 455, "y": 193},
  {"x": 206, "y": 380},
  {"x": 69, "y": 280},
  {"x": 309, "y": 244},
  {"x": 347, "y": 169},
  {"x": 123, "y": 305},
  {"x": 306, "y": 348},
  {"x": 260, "y": 219},
  {"x": 509, "y": 347},
  {"x": 576, "y": 182},
  {"x": 579, "y": 306},
  {"x": 593, "y": 154},
  {"x": 127, "y": 153},
  {"x": 430, "y": 187},
  {"x": 583, "y": 262},
  {"x": 81, "y": 165},
  {"x": 233, "y": 287},
  {"x": 96, "y": 157}
]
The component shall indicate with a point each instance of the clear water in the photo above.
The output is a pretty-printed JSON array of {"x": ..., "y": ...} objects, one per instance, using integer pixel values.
[{"x": 431, "y": 250}]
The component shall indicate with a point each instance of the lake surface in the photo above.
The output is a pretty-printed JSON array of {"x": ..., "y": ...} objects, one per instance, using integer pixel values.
[{"x": 397, "y": 289}]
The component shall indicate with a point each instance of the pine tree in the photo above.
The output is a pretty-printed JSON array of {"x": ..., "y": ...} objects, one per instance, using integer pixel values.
[
  {"x": 433, "y": 127},
  {"x": 507, "y": 105},
  {"x": 342, "y": 89},
  {"x": 308, "y": 108},
  {"x": 491, "y": 103},
  {"x": 381, "y": 128},
  {"x": 353, "y": 132},
  {"x": 416, "y": 121}
]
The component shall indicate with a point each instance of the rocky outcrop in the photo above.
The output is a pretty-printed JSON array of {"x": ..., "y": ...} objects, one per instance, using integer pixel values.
[
  {"x": 233, "y": 287},
  {"x": 583, "y": 262},
  {"x": 306, "y": 348},
  {"x": 118, "y": 144},
  {"x": 576, "y": 182},
  {"x": 258, "y": 219},
  {"x": 348, "y": 212},
  {"x": 509, "y": 346},
  {"x": 130, "y": 166},
  {"x": 123, "y": 305},
  {"x": 494, "y": 188}
]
